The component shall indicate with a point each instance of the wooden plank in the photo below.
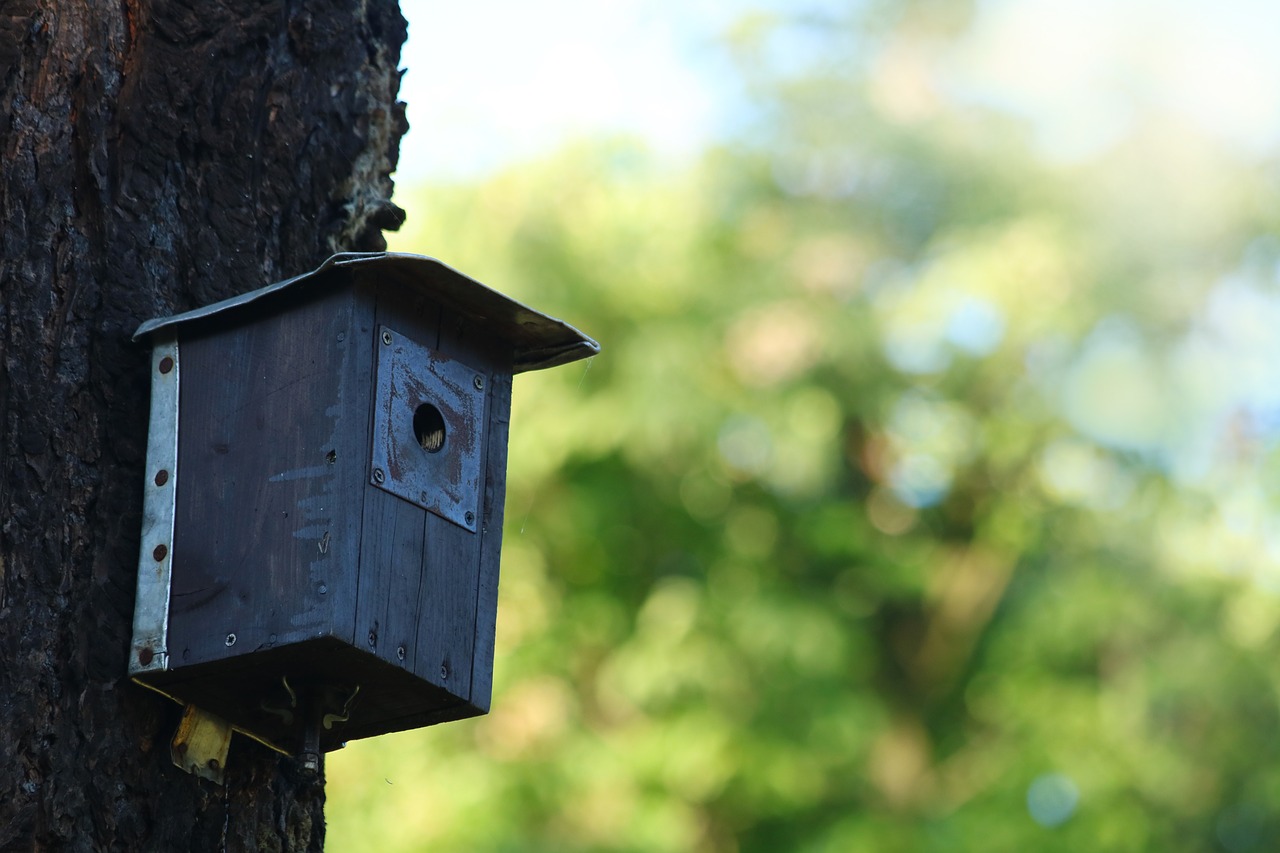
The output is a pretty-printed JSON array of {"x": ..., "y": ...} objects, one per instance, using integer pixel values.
[
  {"x": 452, "y": 569},
  {"x": 486, "y": 606},
  {"x": 393, "y": 533},
  {"x": 446, "y": 606},
  {"x": 390, "y": 575},
  {"x": 261, "y": 520},
  {"x": 350, "y": 458}
]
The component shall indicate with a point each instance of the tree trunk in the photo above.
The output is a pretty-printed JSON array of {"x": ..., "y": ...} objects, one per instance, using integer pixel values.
[{"x": 154, "y": 156}]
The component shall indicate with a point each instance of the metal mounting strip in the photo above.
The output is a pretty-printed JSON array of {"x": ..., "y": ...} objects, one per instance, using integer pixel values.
[{"x": 159, "y": 503}]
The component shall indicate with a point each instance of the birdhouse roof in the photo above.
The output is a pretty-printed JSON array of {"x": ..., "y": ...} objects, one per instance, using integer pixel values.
[{"x": 537, "y": 340}]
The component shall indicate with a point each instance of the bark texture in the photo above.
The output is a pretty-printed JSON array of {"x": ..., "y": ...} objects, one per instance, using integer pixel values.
[{"x": 154, "y": 156}]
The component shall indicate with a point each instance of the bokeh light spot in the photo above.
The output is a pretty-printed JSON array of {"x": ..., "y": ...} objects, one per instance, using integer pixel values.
[{"x": 1052, "y": 799}]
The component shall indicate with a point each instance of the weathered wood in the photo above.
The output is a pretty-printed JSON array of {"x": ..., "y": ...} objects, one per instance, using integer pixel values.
[
  {"x": 319, "y": 546},
  {"x": 468, "y": 582},
  {"x": 494, "y": 507},
  {"x": 263, "y": 525},
  {"x": 390, "y": 565},
  {"x": 153, "y": 155}
]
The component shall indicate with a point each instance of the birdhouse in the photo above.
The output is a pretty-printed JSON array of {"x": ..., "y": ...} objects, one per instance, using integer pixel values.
[{"x": 326, "y": 468}]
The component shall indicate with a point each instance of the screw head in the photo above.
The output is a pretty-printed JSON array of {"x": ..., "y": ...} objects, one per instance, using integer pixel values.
[
  {"x": 162, "y": 477},
  {"x": 231, "y": 640},
  {"x": 400, "y": 653},
  {"x": 379, "y": 476},
  {"x": 386, "y": 337},
  {"x": 161, "y": 551},
  {"x": 471, "y": 518},
  {"x": 478, "y": 382},
  {"x": 166, "y": 364}
]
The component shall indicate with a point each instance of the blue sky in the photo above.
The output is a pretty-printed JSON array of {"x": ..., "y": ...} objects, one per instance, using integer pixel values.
[{"x": 496, "y": 81}]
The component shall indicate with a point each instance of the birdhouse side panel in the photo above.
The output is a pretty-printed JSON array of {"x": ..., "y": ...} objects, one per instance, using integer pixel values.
[{"x": 273, "y": 428}]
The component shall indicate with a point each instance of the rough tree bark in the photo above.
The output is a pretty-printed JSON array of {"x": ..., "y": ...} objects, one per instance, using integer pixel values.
[{"x": 154, "y": 156}]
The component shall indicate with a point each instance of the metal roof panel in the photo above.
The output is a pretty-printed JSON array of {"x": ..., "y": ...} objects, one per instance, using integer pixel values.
[{"x": 537, "y": 340}]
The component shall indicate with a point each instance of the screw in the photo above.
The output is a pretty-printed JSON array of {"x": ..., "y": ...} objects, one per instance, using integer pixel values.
[
  {"x": 213, "y": 764},
  {"x": 231, "y": 640},
  {"x": 478, "y": 382},
  {"x": 160, "y": 552},
  {"x": 444, "y": 671},
  {"x": 166, "y": 364},
  {"x": 471, "y": 518},
  {"x": 386, "y": 337},
  {"x": 162, "y": 477},
  {"x": 323, "y": 589},
  {"x": 145, "y": 655},
  {"x": 379, "y": 476},
  {"x": 373, "y": 639},
  {"x": 400, "y": 653},
  {"x": 342, "y": 336}
]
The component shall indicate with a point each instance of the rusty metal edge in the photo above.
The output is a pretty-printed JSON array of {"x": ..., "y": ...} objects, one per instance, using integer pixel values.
[{"x": 548, "y": 341}]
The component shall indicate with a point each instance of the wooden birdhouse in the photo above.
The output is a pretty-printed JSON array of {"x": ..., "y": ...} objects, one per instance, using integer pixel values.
[{"x": 326, "y": 468}]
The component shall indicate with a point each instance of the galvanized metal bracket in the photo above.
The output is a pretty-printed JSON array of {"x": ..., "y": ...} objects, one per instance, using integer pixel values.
[
  {"x": 427, "y": 425},
  {"x": 159, "y": 502}
]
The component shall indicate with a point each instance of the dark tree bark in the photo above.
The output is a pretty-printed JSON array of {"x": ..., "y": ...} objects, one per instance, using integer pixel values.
[{"x": 154, "y": 156}]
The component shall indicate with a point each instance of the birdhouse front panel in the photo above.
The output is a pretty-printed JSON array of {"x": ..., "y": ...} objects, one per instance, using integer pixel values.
[
  {"x": 321, "y": 549},
  {"x": 433, "y": 505}
]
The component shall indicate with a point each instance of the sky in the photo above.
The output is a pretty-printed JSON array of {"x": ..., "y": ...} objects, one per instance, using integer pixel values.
[
  {"x": 1084, "y": 72},
  {"x": 493, "y": 82}
]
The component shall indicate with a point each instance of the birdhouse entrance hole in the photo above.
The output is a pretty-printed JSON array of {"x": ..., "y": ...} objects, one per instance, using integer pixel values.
[{"x": 428, "y": 427}]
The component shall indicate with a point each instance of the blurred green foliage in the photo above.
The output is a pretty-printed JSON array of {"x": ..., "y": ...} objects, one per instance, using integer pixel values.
[{"x": 922, "y": 498}]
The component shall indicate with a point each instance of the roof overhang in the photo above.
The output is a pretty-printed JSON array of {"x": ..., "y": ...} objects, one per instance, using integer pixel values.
[{"x": 537, "y": 340}]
